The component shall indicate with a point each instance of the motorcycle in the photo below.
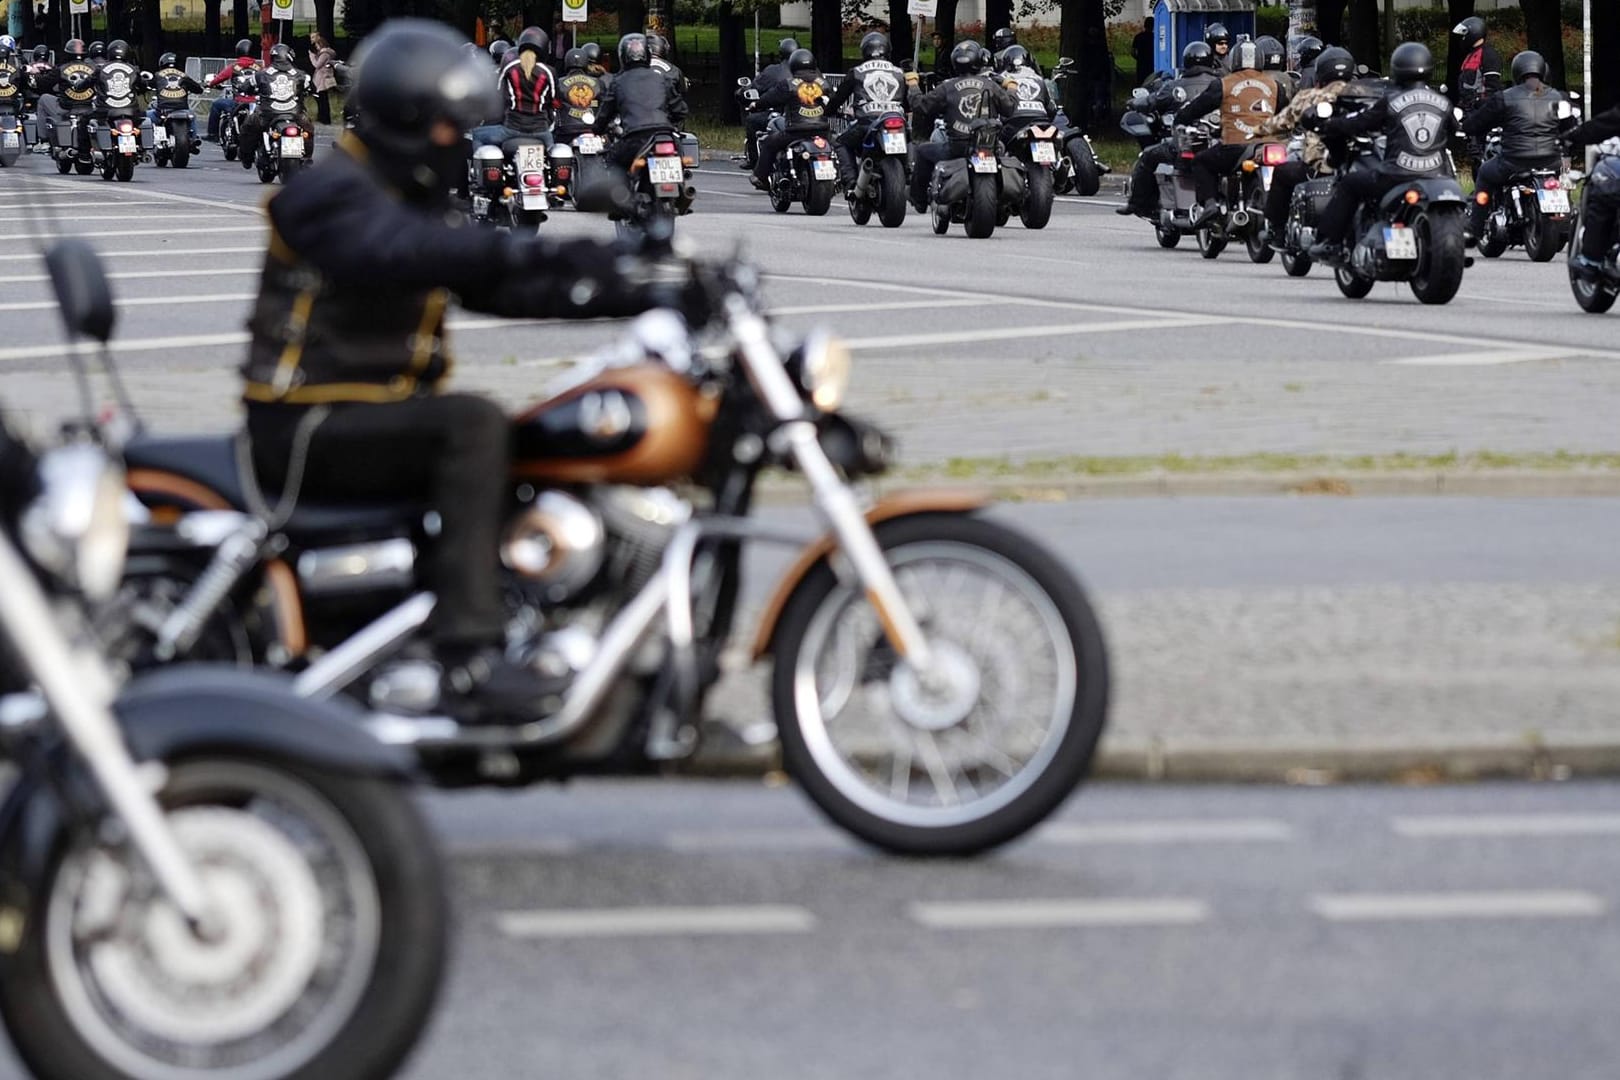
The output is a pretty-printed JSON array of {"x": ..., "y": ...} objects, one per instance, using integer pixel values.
[
  {"x": 122, "y": 143},
  {"x": 660, "y": 179},
  {"x": 172, "y": 141},
  {"x": 1078, "y": 169},
  {"x": 244, "y": 91},
  {"x": 939, "y": 681},
  {"x": 1034, "y": 149},
  {"x": 1178, "y": 195},
  {"x": 284, "y": 149},
  {"x": 509, "y": 184},
  {"x": 12, "y": 136},
  {"x": 1299, "y": 234},
  {"x": 971, "y": 190},
  {"x": 881, "y": 173},
  {"x": 1595, "y": 293},
  {"x": 72, "y": 144},
  {"x": 804, "y": 172},
  {"x": 205, "y": 875},
  {"x": 1534, "y": 209},
  {"x": 1243, "y": 205}
]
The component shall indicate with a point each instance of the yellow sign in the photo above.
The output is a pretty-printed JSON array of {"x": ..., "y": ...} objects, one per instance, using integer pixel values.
[
  {"x": 281, "y": 10},
  {"x": 576, "y": 10}
]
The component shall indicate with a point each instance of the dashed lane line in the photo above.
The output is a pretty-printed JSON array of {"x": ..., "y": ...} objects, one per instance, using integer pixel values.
[
  {"x": 1054, "y": 914},
  {"x": 1484, "y": 358},
  {"x": 1009, "y": 333},
  {"x": 1189, "y": 831},
  {"x": 140, "y": 253},
  {"x": 144, "y": 301},
  {"x": 1397, "y": 907},
  {"x": 1479, "y": 826},
  {"x": 145, "y": 232},
  {"x": 657, "y": 921}
]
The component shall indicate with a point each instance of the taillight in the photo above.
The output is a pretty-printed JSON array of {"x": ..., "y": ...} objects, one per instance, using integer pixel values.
[
  {"x": 563, "y": 172},
  {"x": 1274, "y": 154},
  {"x": 1482, "y": 197},
  {"x": 1187, "y": 155},
  {"x": 291, "y": 131},
  {"x": 1551, "y": 183},
  {"x": 664, "y": 148},
  {"x": 534, "y": 180},
  {"x": 1412, "y": 197},
  {"x": 493, "y": 174},
  {"x": 820, "y": 142},
  {"x": 894, "y": 123}
]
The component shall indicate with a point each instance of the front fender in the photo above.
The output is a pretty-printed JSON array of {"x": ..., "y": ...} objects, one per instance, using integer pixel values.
[{"x": 900, "y": 504}]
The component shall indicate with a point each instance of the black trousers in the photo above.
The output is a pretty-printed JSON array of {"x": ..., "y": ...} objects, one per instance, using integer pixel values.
[
  {"x": 754, "y": 124},
  {"x": 1212, "y": 165},
  {"x": 253, "y": 129},
  {"x": 1284, "y": 179},
  {"x": 1602, "y": 214},
  {"x": 846, "y": 144},
  {"x": 1493, "y": 176},
  {"x": 323, "y": 106},
  {"x": 1144, "y": 196},
  {"x": 1349, "y": 193},
  {"x": 930, "y": 154},
  {"x": 774, "y": 144},
  {"x": 450, "y": 452}
]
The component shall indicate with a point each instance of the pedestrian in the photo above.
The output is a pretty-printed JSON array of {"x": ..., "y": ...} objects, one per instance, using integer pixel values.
[
  {"x": 323, "y": 59},
  {"x": 1142, "y": 52}
]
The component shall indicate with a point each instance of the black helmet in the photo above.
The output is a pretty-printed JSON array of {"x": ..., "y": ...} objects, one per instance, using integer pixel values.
[
  {"x": 965, "y": 57},
  {"x": 244, "y": 47},
  {"x": 98, "y": 50},
  {"x": 74, "y": 48},
  {"x": 1411, "y": 62},
  {"x": 1217, "y": 34},
  {"x": 1308, "y": 49},
  {"x": 1014, "y": 57},
  {"x": 1005, "y": 38},
  {"x": 411, "y": 75},
  {"x": 282, "y": 56},
  {"x": 574, "y": 60},
  {"x": 8, "y": 44},
  {"x": 498, "y": 50},
  {"x": 1529, "y": 63},
  {"x": 1334, "y": 65},
  {"x": 875, "y": 46},
  {"x": 786, "y": 48},
  {"x": 658, "y": 46},
  {"x": 42, "y": 53},
  {"x": 633, "y": 51},
  {"x": 1273, "y": 57},
  {"x": 1245, "y": 57},
  {"x": 168, "y": 60},
  {"x": 1198, "y": 57},
  {"x": 801, "y": 61},
  {"x": 1471, "y": 30},
  {"x": 592, "y": 51},
  {"x": 534, "y": 38},
  {"x": 118, "y": 50}
]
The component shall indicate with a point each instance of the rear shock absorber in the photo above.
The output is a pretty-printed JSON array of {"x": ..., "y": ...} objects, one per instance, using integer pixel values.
[{"x": 236, "y": 554}]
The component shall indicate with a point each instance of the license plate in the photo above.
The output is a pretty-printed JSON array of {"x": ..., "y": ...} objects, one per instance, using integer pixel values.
[
  {"x": 589, "y": 144},
  {"x": 1400, "y": 243},
  {"x": 894, "y": 142},
  {"x": 292, "y": 146},
  {"x": 984, "y": 163},
  {"x": 534, "y": 200},
  {"x": 1043, "y": 153},
  {"x": 824, "y": 169},
  {"x": 9, "y": 139},
  {"x": 128, "y": 144},
  {"x": 1553, "y": 200},
  {"x": 531, "y": 159},
  {"x": 664, "y": 170}
]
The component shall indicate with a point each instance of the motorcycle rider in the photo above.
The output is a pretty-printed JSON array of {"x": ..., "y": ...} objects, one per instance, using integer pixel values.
[
  {"x": 643, "y": 99},
  {"x": 1199, "y": 71},
  {"x": 874, "y": 86},
  {"x": 1306, "y": 51},
  {"x": 1274, "y": 61},
  {"x": 1479, "y": 77},
  {"x": 773, "y": 77},
  {"x": 223, "y": 106},
  {"x": 98, "y": 53},
  {"x": 282, "y": 89},
  {"x": 529, "y": 87},
  {"x": 580, "y": 92},
  {"x": 343, "y": 379},
  {"x": 802, "y": 101},
  {"x": 1246, "y": 97},
  {"x": 1219, "y": 39},
  {"x": 960, "y": 100},
  {"x": 118, "y": 85},
  {"x": 1601, "y": 212},
  {"x": 498, "y": 50},
  {"x": 1416, "y": 122},
  {"x": 1527, "y": 113},
  {"x": 658, "y": 45},
  {"x": 1333, "y": 68},
  {"x": 73, "y": 92},
  {"x": 171, "y": 90},
  {"x": 11, "y": 94},
  {"x": 1034, "y": 97}
]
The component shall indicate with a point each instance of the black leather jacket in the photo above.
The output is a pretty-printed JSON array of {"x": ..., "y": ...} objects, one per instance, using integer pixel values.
[
  {"x": 964, "y": 99},
  {"x": 171, "y": 89},
  {"x": 1603, "y": 126},
  {"x": 74, "y": 84},
  {"x": 875, "y": 87},
  {"x": 643, "y": 99},
  {"x": 118, "y": 87},
  {"x": 1528, "y": 119},
  {"x": 1416, "y": 122},
  {"x": 356, "y": 281},
  {"x": 802, "y": 101},
  {"x": 281, "y": 92}
]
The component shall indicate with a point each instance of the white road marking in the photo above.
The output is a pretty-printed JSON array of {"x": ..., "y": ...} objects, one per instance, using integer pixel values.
[
  {"x": 657, "y": 921},
  {"x": 145, "y": 301},
  {"x": 136, "y": 275},
  {"x": 164, "y": 196},
  {"x": 1010, "y": 333},
  {"x": 81, "y": 219},
  {"x": 1462, "y": 826},
  {"x": 1392, "y": 907},
  {"x": 729, "y": 194},
  {"x": 853, "y": 309},
  {"x": 156, "y": 253},
  {"x": 1046, "y": 914},
  {"x": 143, "y": 253},
  {"x": 1188, "y": 831},
  {"x": 1483, "y": 358},
  {"x": 756, "y": 840},
  {"x": 99, "y": 204}
]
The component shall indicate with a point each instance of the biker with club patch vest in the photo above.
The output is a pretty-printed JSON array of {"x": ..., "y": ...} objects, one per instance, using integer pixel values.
[
  {"x": 1416, "y": 122},
  {"x": 1021, "y": 79},
  {"x": 872, "y": 87},
  {"x": 1527, "y": 113},
  {"x": 1601, "y": 209},
  {"x": 282, "y": 89},
  {"x": 802, "y": 101},
  {"x": 73, "y": 90},
  {"x": 1332, "y": 70},
  {"x": 222, "y": 107},
  {"x": 961, "y": 101},
  {"x": 1199, "y": 70},
  {"x": 580, "y": 92},
  {"x": 1247, "y": 97},
  {"x": 171, "y": 91}
]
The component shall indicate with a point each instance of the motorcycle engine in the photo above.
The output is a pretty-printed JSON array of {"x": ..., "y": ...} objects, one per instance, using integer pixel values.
[{"x": 558, "y": 543}]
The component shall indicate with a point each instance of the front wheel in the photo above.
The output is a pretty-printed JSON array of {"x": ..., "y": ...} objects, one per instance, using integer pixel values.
[
  {"x": 1167, "y": 237},
  {"x": 333, "y": 919},
  {"x": 1441, "y": 257},
  {"x": 1595, "y": 296},
  {"x": 782, "y": 195},
  {"x": 1037, "y": 208},
  {"x": 818, "y": 200},
  {"x": 981, "y": 749},
  {"x": 982, "y": 206},
  {"x": 1211, "y": 243},
  {"x": 1352, "y": 284},
  {"x": 1087, "y": 174},
  {"x": 1296, "y": 264},
  {"x": 891, "y": 208}
]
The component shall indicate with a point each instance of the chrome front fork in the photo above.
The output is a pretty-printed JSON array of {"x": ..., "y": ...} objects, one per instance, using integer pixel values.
[
  {"x": 79, "y": 691},
  {"x": 834, "y": 499}
]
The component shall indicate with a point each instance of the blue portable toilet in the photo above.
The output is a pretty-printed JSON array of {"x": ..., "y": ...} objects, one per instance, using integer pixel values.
[{"x": 1179, "y": 23}]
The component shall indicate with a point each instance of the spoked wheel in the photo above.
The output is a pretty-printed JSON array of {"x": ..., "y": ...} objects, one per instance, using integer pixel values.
[
  {"x": 1441, "y": 257},
  {"x": 974, "y": 752},
  {"x": 781, "y": 196},
  {"x": 1495, "y": 241},
  {"x": 891, "y": 206},
  {"x": 325, "y": 962},
  {"x": 1167, "y": 238}
]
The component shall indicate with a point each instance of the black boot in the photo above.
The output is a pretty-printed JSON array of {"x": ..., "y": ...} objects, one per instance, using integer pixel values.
[{"x": 484, "y": 687}]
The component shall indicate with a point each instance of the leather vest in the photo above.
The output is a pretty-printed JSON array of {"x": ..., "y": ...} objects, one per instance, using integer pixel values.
[
  {"x": 1530, "y": 129},
  {"x": 11, "y": 82},
  {"x": 807, "y": 104},
  {"x": 1030, "y": 90},
  {"x": 120, "y": 83},
  {"x": 169, "y": 89},
  {"x": 1417, "y": 131},
  {"x": 579, "y": 91},
  {"x": 280, "y": 91},
  {"x": 882, "y": 88},
  {"x": 968, "y": 98},
  {"x": 1248, "y": 99},
  {"x": 82, "y": 97}
]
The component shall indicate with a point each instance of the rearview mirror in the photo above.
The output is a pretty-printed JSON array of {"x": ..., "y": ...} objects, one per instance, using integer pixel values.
[
  {"x": 607, "y": 193},
  {"x": 1564, "y": 111},
  {"x": 1065, "y": 61},
  {"x": 83, "y": 292},
  {"x": 745, "y": 81}
]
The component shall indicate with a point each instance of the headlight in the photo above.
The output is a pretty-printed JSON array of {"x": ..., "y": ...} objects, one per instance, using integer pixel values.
[
  {"x": 77, "y": 529},
  {"x": 823, "y": 370}
]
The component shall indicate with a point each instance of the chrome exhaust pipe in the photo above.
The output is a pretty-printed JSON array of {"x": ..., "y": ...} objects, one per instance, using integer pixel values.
[{"x": 1240, "y": 218}]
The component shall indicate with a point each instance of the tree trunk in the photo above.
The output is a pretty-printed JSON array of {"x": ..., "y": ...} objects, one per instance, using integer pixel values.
[
  {"x": 1330, "y": 21},
  {"x": 326, "y": 19},
  {"x": 239, "y": 16},
  {"x": 733, "y": 61},
  {"x": 212, "y": 32},
  {"x": 151, "y": 31},
  {"x": 1364, "y": 34},
  {"x": 827, "y": 34},
  {"x": 1605, "y": 89},
  {"x": 901, "y": 40},
  {"x": 945, "y": 23},
  {"x": 117, "y": 20},
  {"x": 998, "y": 14},
  {"x": 1544, "y": 33},
  {"x": 632, "y": 16},
  {"x": 1456, "y": 12},
  {"x": 1071, "y": 36}
]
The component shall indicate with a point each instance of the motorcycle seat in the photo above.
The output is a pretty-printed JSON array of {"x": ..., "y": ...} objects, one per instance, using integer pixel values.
[{"x": 210, "y": 462}]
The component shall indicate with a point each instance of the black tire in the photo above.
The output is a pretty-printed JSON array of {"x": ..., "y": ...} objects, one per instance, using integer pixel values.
[
  {"x": 1258, "y": 239},
  {"x": 64, "y": 165},
  {"x": 1352, "y": 284},
  {"x": 1210, "y": 245},
  {"x": 940, "y": 218},
  {"x": 396, "y": 993},
  {"x": 818, "y": 199},
  {"x": 160, "y": 159},
  {"x": 1167, "y": 238},
  {"x": 84, "y": 168},
  {"x": 291, "y": 167},
  {"x": 892, "y": 193},
  {"x": 124, "y": 168},
  {"x": 1085, "y": 716},
  {"x": 982, "y": 206},
  {"x": 229, "y": 150},
  {"x": 1087, "y": 176},
  {"x": 1038, "y": 194},
  {"x": 782, "y": 197},
  {"x": 1442, "y": 256},
  {"x": 1594, "y": 297},
  {"x": 1296, "y": 264},
  {"x": 1494, "y": 243},
  {"x": 1542, "y": 238},
  {"x": 528, "y": 220},
  {"x": 860, "y": 211}
]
